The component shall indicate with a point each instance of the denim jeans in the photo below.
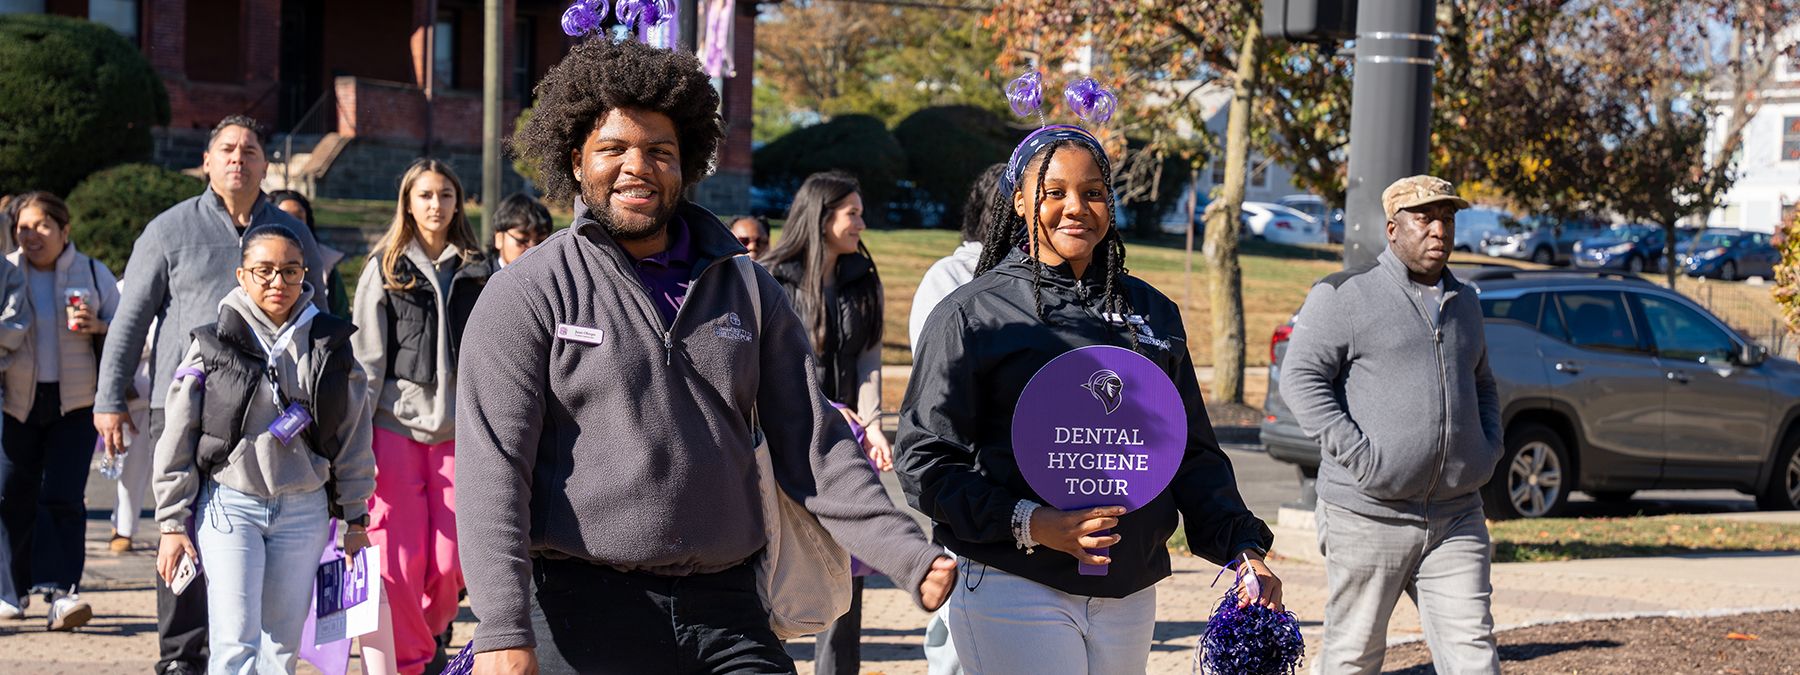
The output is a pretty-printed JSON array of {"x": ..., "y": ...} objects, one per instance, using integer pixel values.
[
  {"x": 43, "y": 486},
  {"x": 1004, "y": 624},
  {"x": 260, "y": 556},
  {"x": 1442, "y": 564}
]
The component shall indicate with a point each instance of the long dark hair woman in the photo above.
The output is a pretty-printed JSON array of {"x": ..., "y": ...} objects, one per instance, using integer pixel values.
[
  {"x": 1052, "y": 279},
  {"x": 829, "y": 275}
]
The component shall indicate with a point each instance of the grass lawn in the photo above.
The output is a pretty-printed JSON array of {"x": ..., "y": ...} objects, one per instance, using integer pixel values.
[{"x": 1577, "y": 538}]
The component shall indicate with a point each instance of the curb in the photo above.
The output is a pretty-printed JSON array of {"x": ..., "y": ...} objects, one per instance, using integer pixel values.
[
  {"x": 1619, "y": 616},
  {"x": 1246, "y": 435}
]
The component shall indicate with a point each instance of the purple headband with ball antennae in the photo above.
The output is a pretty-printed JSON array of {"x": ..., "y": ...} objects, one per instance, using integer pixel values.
[
  {"x": 585, "y": 16},
  {"x": 1037, "y": 141}
]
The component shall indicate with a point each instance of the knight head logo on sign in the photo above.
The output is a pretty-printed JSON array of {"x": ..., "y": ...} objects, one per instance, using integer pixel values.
[{"x": 1106, "y": 386}]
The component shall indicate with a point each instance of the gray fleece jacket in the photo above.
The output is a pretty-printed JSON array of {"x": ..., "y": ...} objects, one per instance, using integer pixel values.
[
  {"x": 601, "y": 434},
  {"x": 181, "y": 266},
  {"x": 261, "y": 465},
  {"x": 1405, "y": 410}
]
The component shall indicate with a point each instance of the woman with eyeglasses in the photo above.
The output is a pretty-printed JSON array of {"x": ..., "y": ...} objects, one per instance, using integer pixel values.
[
  {"x": 267, "y": 440},
  {"x": 520, "y": 223},
  {"x": 413, "y": 301},
  {"x": 49, "y": 404}
]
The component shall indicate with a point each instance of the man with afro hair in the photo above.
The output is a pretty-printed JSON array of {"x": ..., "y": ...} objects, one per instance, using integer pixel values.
[{"x": 617, "y": 376}]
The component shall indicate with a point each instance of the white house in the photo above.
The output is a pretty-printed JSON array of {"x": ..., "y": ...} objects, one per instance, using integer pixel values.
[
  {"x": 1269, "y": 181},
  {"x": 1768, "y": 186}
]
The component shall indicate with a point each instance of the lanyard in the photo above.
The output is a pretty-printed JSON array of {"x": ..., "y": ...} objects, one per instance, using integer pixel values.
[{"x": 281, "y": 343}]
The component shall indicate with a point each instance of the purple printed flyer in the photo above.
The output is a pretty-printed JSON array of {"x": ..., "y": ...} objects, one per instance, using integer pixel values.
[{"x": 1099, "y": 426}]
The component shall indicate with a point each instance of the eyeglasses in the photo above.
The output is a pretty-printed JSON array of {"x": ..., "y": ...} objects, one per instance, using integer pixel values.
[
  {"x": 527, "y": 242},
  {"x": 289, "y": 275},
  {"x": 748, "y": 241}
]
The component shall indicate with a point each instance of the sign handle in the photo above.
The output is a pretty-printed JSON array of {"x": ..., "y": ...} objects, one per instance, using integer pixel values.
[{"x": 1088, "y": 570}]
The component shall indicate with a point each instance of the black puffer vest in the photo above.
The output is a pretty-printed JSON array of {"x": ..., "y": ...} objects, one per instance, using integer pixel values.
[
  {"x": 847, "y": 322},
  {"x": 234, "y": 363},
  {"x": 412, "y": 317}
]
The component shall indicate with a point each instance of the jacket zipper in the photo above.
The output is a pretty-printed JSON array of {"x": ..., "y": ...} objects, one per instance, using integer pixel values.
[
  {"x": 668, "y": 332},
  {"x": 1437, "y": 333}
]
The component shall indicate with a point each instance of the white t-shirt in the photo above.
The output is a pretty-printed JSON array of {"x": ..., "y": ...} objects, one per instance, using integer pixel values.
[{"x": 1432, "y": 297}]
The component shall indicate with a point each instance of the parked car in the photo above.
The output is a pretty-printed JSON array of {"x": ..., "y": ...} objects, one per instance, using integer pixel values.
[
  {"x": 1610, "y": 384},
  {"x": 1632, "y": 247},
  {"x": 1281, "y": 225},
  {"x": 1729, "y": 255},
  {"x": 1542, "y": 240},
  {"x": 1314, "y": 207},
  {"x": 1476, "y": 225}
]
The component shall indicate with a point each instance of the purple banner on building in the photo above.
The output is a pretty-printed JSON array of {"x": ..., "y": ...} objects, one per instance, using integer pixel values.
[{"x": 1099, "y": 426}]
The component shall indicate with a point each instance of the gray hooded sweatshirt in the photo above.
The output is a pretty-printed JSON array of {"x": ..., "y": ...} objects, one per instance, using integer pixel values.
[
  {"x": 261, "y": 465},
  {"x": 1405, "y": 409},
  {"x": 181, "y": 266},
  {"x": 599, "y": 433}
]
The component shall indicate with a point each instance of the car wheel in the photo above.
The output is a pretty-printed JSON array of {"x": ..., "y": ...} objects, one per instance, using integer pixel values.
[
  {"x": 1530, "y": 481},
  {"x": 1612, "y": 496},
  {"x": 1783, "y": 490},
  {"x": 1543, "y": 256},
  {"x": 1728, "y": 271},
  {"x": 1635, "y": 264}
]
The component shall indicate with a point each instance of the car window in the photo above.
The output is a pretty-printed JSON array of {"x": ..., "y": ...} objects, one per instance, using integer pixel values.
[
  {"x": 1523, "y": 309},
  {"x": 1759, "y": 239},
  {"x": 1683, "y": 334},
  {"x": 1596, "y": 320},
  {"x": 1717, "y": 240}
]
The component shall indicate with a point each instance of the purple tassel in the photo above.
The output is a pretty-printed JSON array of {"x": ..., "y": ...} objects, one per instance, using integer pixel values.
[
  {"x": 464, "y": 663},
  {"x": 1090, "y": 101},
  {"x": 1249, "y": 640},
  {"x": 1025, "y": 94},
  {"x": 642, "y": 13}
]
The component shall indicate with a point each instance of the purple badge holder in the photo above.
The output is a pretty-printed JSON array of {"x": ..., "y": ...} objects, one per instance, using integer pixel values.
[
  {"x": 292, "y": 421},
  {"x": 1099, "y": 426}
]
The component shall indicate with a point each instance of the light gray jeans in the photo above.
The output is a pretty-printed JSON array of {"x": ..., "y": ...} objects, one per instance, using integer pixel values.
[
  {"x": 261, "y": 556},
  {"x": 1443, "y": 565},
  {"x": 1004, "y": 624}
]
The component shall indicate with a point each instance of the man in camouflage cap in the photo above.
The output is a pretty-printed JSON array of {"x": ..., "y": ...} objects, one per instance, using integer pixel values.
[{"x": 1387, "y": 369}]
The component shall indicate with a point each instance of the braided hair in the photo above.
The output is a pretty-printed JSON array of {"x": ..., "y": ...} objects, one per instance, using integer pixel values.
[{"x": 1010, "y": 231}]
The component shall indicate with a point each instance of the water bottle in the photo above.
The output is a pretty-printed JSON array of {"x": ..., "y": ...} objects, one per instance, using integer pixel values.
[{"x": 110, "y": 468}]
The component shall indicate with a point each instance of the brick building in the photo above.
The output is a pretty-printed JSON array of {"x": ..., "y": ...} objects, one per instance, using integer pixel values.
[{"x": 293, "y": 63}]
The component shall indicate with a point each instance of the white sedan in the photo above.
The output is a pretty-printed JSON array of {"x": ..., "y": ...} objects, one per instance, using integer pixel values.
[{"x": 1282, "y": 225}]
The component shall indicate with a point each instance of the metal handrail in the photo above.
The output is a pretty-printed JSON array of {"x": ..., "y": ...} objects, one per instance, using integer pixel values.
[{"x": 287, "y": 148}]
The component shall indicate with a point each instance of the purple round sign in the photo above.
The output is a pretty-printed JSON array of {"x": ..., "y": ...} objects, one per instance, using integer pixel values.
[{"x": 1099, "y": 426}]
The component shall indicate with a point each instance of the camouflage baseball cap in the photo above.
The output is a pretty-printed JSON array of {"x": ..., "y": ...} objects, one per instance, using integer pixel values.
[{"x": 1417, "y": 191}]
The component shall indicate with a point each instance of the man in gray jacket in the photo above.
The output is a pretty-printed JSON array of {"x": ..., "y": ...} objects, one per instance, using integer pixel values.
[
  {"x": 183, "y": 264},
  {"x": 1387, "y": 369},
  {"x": 614, "y": 514}
]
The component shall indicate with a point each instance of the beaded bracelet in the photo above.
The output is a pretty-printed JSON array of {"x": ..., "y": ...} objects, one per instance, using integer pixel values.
[{"x": 1021, "y": 525}]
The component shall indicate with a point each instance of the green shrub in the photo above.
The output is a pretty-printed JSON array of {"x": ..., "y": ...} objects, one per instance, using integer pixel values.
[
  {"x": 76, "y": 97},
  {"x": 948, "y": 147},
  {"x": 110, "y": 209},
  {"x": 858, "y": 144}
]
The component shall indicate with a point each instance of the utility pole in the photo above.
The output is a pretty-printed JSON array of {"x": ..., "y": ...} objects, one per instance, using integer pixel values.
[
  {"x": 1390, "y": 114},
  {"x": 431, "y": 75},
  {"x": 689, "y": 34},
  {"x": 490, "y": 116}
]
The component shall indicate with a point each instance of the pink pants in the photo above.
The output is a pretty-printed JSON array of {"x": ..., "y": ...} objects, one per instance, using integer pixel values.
[{"x": 412, "y": 517}]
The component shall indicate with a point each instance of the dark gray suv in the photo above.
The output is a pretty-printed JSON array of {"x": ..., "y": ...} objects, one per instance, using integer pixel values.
[{"x": 1611, "y": 384}]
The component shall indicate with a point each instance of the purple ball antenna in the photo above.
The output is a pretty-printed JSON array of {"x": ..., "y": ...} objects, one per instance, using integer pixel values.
[
  {"x": 1026, "y": 94},
  {"x": 1091, "y": 102}
]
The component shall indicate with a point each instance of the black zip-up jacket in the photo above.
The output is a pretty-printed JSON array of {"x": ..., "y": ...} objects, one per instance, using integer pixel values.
[{"x": 954, "y": 454}]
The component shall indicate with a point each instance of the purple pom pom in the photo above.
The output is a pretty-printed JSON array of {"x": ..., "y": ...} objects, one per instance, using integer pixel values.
[
  {"x": 580, "y": 19},
  {"x": 1251, "y": 640},
  {"x": 1090, "y": 101},
  {"x": 1025, "y": 94},
  {"x": 642, "y": 13}
]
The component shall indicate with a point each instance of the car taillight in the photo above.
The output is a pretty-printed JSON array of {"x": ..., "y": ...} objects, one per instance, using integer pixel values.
[
  {"x": 1284, "y": 224},
  {"x": 1282, "y": 333}
]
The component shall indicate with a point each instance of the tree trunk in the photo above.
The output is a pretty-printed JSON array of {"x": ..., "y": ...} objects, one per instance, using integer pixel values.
[{"x": 1222, "y": 231}]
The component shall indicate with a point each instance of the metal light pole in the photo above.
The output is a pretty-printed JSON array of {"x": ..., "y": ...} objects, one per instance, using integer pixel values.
[
  {"x": 1390, "y": 114},
  {"x": 490, "y": 117}
]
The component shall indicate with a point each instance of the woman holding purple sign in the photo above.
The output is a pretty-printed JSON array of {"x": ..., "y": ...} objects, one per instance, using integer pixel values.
[
  {"x": 1053, "y": 427},
  {"x": 267, "y": 440}
]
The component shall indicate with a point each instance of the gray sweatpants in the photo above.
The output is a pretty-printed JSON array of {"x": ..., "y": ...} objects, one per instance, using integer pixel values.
[{"x": 1443, "y": 565}]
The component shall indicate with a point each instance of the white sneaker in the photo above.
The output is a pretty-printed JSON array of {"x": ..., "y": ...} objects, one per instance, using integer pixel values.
[
  {"x": 69, "y": 612},
  {"x": 9, "y": 612}
]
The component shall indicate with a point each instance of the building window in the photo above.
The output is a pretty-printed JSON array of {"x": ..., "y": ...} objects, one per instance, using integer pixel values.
[
  {"x": 444, "y": 50},
  {"x": 523, "y": 48},
  {"x": 119, "y": 15},
  {"x": 1790, "y": 139},
  {"x": 214, "y": 50},
  {"x": 1259, "y": 176},
  {"x": 1218, "y": 172}
]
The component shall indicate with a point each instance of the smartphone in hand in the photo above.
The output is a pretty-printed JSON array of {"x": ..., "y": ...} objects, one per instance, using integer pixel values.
[{"x": 184, "y": 574}]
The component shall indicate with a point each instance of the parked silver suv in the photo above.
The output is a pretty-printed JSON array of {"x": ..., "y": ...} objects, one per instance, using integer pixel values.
[{"x": 1611, "y": 384}]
